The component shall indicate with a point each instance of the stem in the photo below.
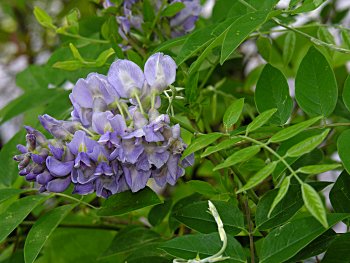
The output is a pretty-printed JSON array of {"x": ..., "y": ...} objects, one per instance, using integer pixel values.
[
  {"x": 139, "y": 102},
  {"x": 76, "y": 200},
  {"x": 275, "y": 154},
  {"x": 84, "y": 38},
  {"x": 250, "y": 229}
]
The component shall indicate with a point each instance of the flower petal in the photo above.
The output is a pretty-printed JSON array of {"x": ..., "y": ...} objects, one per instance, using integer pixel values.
[
  {"x": 58, "y": 168},
  {"x": 58, "y": 185}
]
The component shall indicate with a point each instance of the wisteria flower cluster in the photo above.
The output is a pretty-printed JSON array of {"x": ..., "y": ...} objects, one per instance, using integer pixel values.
[
  {"x": 180, "y": 24},
  {"x": 116, "y": 139}
]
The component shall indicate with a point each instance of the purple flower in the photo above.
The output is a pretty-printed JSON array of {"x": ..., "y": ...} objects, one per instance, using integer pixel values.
[
  {"x": 59, "y": 129},
  {"x": 185, "y": 20}
]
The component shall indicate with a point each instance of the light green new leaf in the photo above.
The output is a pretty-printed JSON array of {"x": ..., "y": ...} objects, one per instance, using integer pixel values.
[
  {"x": 284, "y": 242},
  {"x": 314, "y": 204},
  {"x": 42, "y": 229},
  {"x": 272, "y": 91},
  {"x": 220, "y": 146},
  {"x": 307, "y": 145},
  {"x": 316, "y": 89},
  {"x": 238, "y": 157},
  {"x": 17, "y": 212},
  {"x": 281, "y": 194},
  {"x": 346, "y": 93},
  {"x": 173, "y": 9},
  {"x": 43, "y": 18},
  {"x": 307, "y": 6},
  {"x": 258, "y": 177},
  {"x": 317, "y": 169},
  {"x": 288, "y": 47},
  {"x": 293, "y": 130},
  {"x": 260, "y": 120},
  {"x": 201, "y": 142},
  {"x": 233, "y": 112},
  {"x": 344, "y": 149},
  {"x": 239, "y": 31},
  {"x": 69, "y": 65}
]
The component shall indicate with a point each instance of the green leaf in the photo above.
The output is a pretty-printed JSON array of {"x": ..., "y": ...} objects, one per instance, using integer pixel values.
[
  {"x": 293, "y": 130},
  {"x": 284, "y": 242},
  {"x": 314, "y": 204},
  {"x": 220, "y": 146},
  {"x": 126, "y": 202},
  {"x": 8, "y": 167},
  {"x": 191, "y": 87},
  {"x": 129, "y": 239},
  {"x": 196, "y": 217},
  {"x": 42, "y": 229},
  {"x": 189, "y": 246},
  {"x": 102, "y": 58},
  {"x": 260, "y": 120},
  {"x": 159, "y": 212},
  {"x": 343, "y": 149},
  {"x": 173, "y": 9},
  {"x": 284, "y": 210},
  {"x": 148, "y": 11},
  {"x": 239, "y": 156},
  {"x": 75, "y": 52},
  {"x": 307, "y": 145},
  {"x": 272, "y": 91},
  {"x": 43, "y": 18},
  {"x": 346, "y": 38},
  {"x": 340, "y": 194},
  {"x": 264, "y": 47},
  {"x": 316, "y": 88},
  {"x": 258, "y": 177},
  {"x": 233, "y": 112},
  {"x": 69, "y": 65},
  {"x": 7, "y": 193},
  {"x": 338, "y": 251},
  {"x": 201, "y": 142},
  {"x": 282, "y": 191},
  {"x": 239, "y": 31},
  {"x": 346, "y": 93},
  {"x": 17, "y": 212},
  {"x": 307, "y": 6},
  {"x": 202, "y": 187},
  {"x": 317, "y": 169},
  {"x": 195, "y": 42},
  {"x": 288, "y": 47}
]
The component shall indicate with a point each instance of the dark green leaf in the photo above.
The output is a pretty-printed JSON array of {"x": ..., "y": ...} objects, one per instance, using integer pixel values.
[
  {"x": 314, "y": 203},
  {"x": 346, "y": 93},
  {"x": 41, "y": 231},
  {"x": 260, "y": 120},
  {"x": 159, "y": 212},
  {"x": 258, "y": 177},
  {"x": 307, "y": 145},
  {"x": 191, "y": 87},
  {"x": 233, "y": 113},
  {"x": 7, "y": 193},
  {"x": 239, "y": 31},
  {"x": 239, "y": 156},
  {"x": 284, "y": 210},
  {"x": 307, "y": 6},
  {"x": 340, "y": 194},
  {"x": 272, "y": 91},
  {"x": 126, "y": 202},
  {"x": 201, "y": 142},
  {"x": 284, "y": 242},
  {"x": 282, "y": 191},
  {"x": 17, "y": 212},
  {"x": 316, "y": 88},
  {"x": 338, "y": 252},
  {"x": 202, "y": 187},
  {"x": 196, "y": 217},
  {"x": 129, "y": 239},
  {"x": 343, "y": 149},
  {"x": 288, "y": 47},
  {"x": 204, "y": 245}
]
